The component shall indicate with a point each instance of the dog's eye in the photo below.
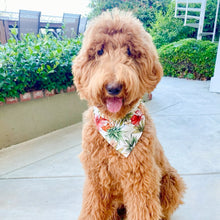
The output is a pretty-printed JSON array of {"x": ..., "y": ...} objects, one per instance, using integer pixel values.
[
  {"x": 100, "y": 52},
  {"x": 128, "y": 52}
]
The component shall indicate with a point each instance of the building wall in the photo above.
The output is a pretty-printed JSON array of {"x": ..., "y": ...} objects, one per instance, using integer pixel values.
[{"x": 215, "y": 81}]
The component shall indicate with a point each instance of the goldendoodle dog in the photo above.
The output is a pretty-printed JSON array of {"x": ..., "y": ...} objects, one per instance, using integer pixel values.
[{"x": 127, "y": 174}]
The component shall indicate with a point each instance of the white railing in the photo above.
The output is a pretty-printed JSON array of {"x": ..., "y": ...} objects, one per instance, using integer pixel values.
[
  {"x": 51, "y": 19},
  {"x": 14, "y": 16},
  {"x": 190, "y": 20},
  {"x": 9, "y": 15}
]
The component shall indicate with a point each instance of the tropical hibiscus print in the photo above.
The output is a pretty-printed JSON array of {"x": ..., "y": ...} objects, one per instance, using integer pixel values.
[{"x": 121, "y": 134}]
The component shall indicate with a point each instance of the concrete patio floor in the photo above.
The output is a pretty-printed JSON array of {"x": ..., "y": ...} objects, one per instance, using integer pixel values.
[{"x": 42, "y": 179}]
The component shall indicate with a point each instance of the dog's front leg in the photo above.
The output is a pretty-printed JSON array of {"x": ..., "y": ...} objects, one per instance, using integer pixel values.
[
  {"x": 96, "y": 203},
  {"x": 142, "y": 200}
]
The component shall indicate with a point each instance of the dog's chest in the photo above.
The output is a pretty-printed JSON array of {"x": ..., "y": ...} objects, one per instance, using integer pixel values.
[
  {"x": 115, "y": 164},
  {"x": 107, "y": 162}
]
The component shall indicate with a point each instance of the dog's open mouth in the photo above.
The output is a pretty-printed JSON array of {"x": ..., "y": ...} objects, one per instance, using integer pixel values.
[{"x": 114, "y": 104}]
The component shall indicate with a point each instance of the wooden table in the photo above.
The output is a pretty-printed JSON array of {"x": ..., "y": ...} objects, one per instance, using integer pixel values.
[{"x": 55, "y": 25}]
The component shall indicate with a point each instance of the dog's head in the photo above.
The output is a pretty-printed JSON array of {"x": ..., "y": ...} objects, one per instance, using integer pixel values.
[{"x": 117, "y": 63}]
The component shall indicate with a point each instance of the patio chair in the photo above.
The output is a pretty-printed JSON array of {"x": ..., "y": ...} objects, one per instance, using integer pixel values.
[
  {"x": 71, "y": 24},
  {"x": 82, "y": 25},
  {"x": 29, "y": 22}
]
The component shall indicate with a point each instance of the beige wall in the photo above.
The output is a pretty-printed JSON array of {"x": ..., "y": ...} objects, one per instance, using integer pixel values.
[{"x": 26, "y": 120}]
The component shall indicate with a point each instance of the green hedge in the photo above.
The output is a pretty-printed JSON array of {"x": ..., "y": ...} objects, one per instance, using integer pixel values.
[
  {"x": 189, "y": 58},
  {"x": 35, "y": 63}
]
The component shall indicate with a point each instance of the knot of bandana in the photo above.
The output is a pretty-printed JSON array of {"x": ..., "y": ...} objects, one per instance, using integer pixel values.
[{"x": 122, "y": 134}]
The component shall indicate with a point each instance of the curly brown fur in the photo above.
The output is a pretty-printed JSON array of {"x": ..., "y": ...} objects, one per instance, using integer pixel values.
[{"x": 117, "y": 50}]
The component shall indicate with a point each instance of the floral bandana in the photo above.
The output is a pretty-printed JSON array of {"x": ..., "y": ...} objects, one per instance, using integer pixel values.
[{"x": 122, "y": 134}]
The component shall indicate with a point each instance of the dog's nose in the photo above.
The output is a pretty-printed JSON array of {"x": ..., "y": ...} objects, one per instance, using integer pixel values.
[{"x": 113, "y": 89}]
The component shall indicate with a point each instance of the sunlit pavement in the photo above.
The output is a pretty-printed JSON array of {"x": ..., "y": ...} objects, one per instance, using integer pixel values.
[{"x": 42, "y": 179}]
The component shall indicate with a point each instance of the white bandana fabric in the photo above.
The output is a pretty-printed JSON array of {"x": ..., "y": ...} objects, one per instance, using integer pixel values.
[{"x": 121, "y": 134}]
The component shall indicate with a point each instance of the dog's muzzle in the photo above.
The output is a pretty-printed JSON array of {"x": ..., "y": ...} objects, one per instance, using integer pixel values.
[
  {"x": 113, "y": 89},
  {"x": 114, "y": 103}
]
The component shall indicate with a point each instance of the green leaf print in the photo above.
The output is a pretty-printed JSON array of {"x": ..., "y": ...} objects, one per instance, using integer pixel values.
[
  {"x": 139, "y": 128},
  {"x": 115, "y": 133},
  {"x": 125, "y": 119},
  {"x": 131, "y": 143}
]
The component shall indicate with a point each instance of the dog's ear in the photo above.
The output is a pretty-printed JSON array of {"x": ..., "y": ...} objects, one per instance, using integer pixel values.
[
  {"x": 151, "y": 69},
  {"x": 79, "y": 72}
]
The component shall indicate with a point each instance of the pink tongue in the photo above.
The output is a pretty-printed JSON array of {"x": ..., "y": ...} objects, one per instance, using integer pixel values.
[{"x": 114, "y": 104}]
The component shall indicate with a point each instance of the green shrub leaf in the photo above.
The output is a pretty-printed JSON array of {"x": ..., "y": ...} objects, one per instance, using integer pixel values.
[
  {"x": 36, "y": 62},
  {"x": 189, "y": 58}
]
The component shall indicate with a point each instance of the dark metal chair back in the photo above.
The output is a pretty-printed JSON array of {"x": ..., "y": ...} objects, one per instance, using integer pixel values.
[
  {"x": 71, "y": 24},
  {"x": 29, "y": 22},
  {"x": 82, "y": 25}
]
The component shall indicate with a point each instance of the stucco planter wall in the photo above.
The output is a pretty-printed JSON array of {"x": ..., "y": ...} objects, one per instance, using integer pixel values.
[{"x": 22, "y": 121}]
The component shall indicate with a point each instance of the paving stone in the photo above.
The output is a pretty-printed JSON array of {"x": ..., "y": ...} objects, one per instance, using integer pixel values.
[
  {"x": 201, "y": 201},
  {"x": 40, "y": 198},
  {"x": 61, "y": 164}
]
